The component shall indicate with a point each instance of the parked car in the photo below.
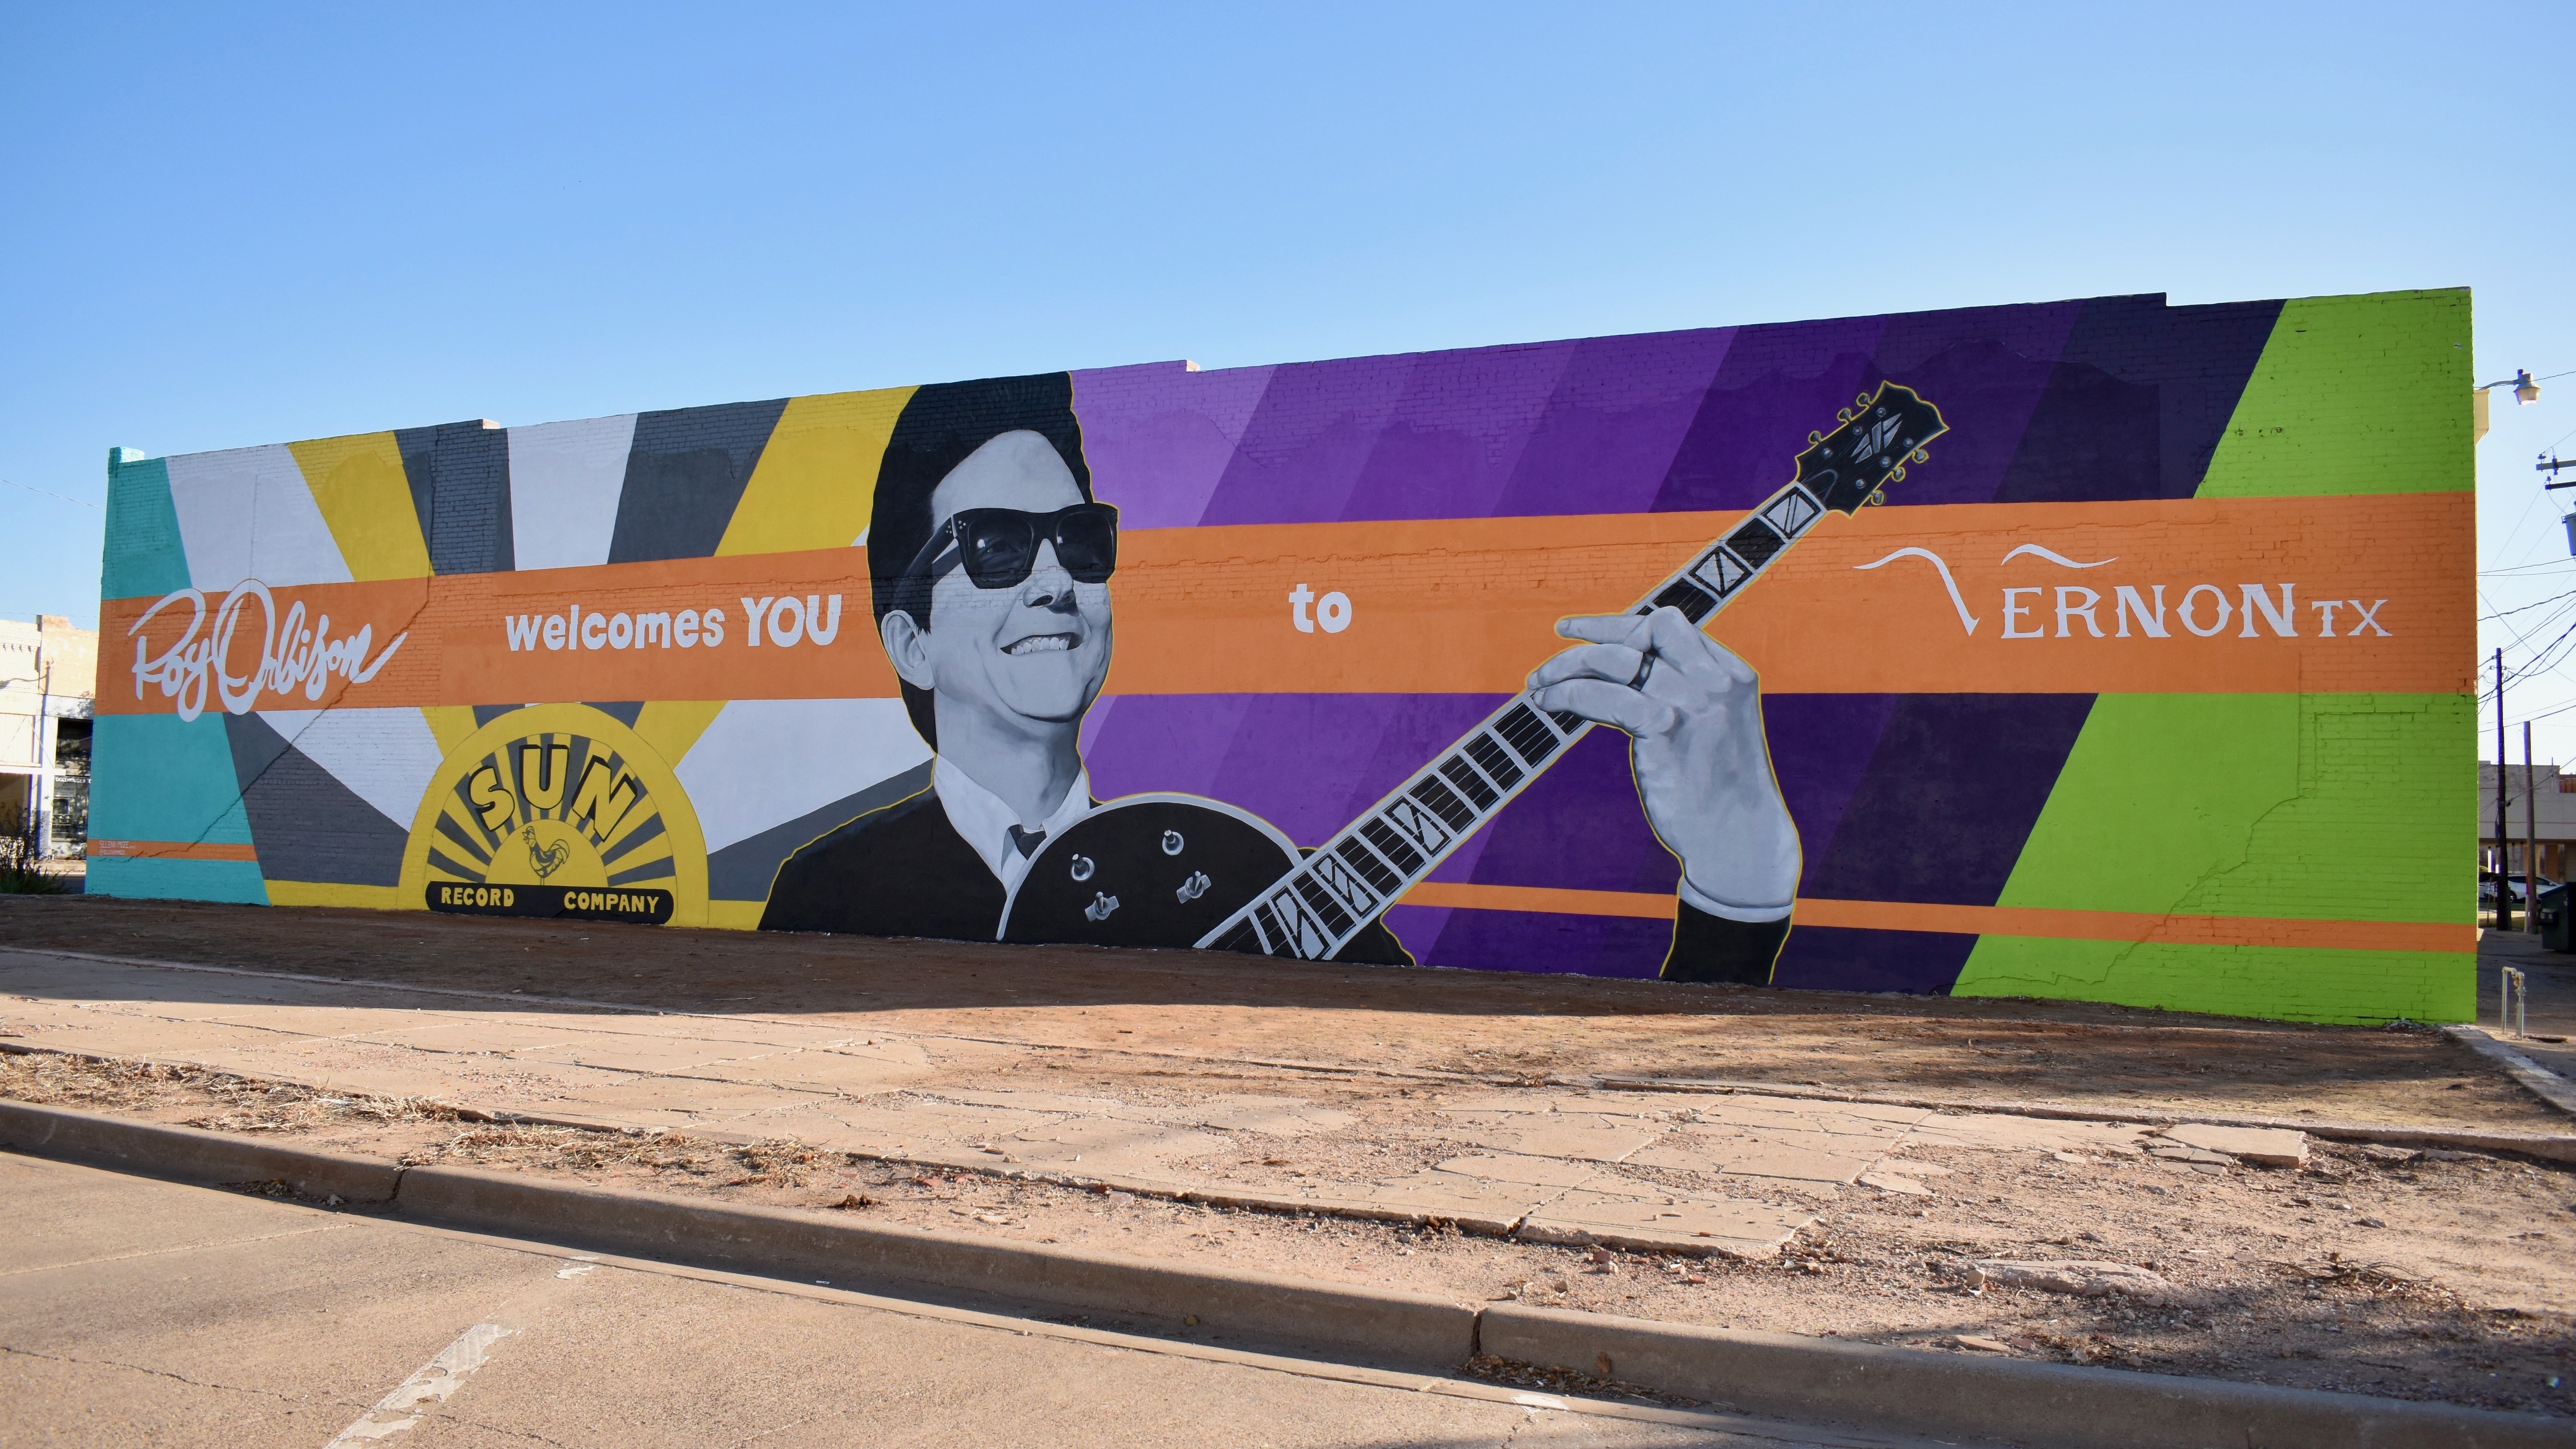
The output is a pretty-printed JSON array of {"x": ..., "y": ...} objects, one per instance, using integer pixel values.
[{"x": 2513, "y": 889}]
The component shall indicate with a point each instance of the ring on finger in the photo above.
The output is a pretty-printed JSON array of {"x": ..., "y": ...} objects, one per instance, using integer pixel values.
[{"x": 1645, "y": 666}]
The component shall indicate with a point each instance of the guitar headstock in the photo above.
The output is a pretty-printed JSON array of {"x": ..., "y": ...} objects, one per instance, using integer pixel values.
[{"x": 1881, "y": 432}]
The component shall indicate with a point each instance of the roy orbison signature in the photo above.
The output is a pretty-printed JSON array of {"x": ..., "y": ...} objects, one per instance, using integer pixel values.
[{"x": 292, "y": 656}]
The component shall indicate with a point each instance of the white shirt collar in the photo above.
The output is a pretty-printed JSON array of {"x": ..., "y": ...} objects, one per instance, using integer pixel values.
[{"x": 985, "y": 823}]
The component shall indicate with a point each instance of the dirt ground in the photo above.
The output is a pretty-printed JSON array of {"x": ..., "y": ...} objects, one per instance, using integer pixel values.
[
  {"x": 1147, "y": 1009},
  {"x": 2371, "y": 1269}
]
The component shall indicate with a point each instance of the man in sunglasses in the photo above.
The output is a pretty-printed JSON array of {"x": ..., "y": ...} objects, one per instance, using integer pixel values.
[{"x": 990, "y": 565}]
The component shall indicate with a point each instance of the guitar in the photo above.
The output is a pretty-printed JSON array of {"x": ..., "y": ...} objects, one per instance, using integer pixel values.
[{"x": 1180, "y": 870}]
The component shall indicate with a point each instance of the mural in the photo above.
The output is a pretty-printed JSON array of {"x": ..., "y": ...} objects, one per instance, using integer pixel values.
[{"x": 2148, "y": 682}]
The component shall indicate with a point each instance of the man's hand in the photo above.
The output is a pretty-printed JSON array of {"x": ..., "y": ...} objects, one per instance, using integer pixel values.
[{"x": 1693, "y": 712}]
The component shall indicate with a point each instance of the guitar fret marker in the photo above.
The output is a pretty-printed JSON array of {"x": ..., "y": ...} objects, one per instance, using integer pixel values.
[
  {"x": 1344, "y": 886},
  {"x": 1392, "y": 846},
  {"x": 1723, "y": 572},
  {"x": 1359, "y": 858},
  {"x": 1443, "y": 802}
]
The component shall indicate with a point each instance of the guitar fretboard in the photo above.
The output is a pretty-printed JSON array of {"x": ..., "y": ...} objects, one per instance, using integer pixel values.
[{"x": 1315, "y": 910}]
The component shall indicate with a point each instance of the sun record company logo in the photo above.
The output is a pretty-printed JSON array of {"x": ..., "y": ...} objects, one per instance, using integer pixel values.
[
  {"x": 557, "y": 810},
  {"x": 293, "y": 657},
  {"x": 783, "y": 621}
]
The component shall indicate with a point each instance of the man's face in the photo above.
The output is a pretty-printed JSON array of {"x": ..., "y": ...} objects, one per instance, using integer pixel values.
[{"x": 1038, "y": 650}]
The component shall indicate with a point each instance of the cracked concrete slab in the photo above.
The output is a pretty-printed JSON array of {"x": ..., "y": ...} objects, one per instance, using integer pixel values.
[{"x": 1669, "y": 1223}]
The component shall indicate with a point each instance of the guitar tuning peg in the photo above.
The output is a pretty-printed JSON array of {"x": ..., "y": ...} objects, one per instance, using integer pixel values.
[
  {"x": 1922, "y": 455},
  {"x": 1878, "y": 498},
  {"x": 1861, "y": 401},
  {"x": 1842, "y": 415},
  {"x": 1896, "y": 474},
  {"x": 1814, "y": 438}
]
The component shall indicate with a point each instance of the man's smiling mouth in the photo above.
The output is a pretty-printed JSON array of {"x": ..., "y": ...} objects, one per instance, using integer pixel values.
[{"x": 1040, "y": 644}]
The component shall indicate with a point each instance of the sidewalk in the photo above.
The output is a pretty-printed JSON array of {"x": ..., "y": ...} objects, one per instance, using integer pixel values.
[
  {"x": 1551, "y": 1166},
  {"x": 1443, "y": 1132}
]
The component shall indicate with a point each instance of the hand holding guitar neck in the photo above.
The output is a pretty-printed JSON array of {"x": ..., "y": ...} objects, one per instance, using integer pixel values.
[
  {"x": 1165, "y": 870},
  {"x": 1693, "y": 714}
]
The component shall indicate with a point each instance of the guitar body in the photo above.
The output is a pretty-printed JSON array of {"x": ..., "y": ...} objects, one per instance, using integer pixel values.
[{"x": 1153, "y": 871}]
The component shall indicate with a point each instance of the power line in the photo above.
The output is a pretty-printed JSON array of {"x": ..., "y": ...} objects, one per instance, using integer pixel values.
[
  {"x": 2525, "y": 608},
  {"x": 49, "y": 493}
]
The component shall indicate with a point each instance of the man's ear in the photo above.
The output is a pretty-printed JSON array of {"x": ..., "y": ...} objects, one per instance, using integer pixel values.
[{"x": 908, "y": 646}]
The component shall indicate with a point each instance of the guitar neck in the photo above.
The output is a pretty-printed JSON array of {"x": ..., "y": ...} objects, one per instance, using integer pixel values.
[{"x": 1315, "y": 910}]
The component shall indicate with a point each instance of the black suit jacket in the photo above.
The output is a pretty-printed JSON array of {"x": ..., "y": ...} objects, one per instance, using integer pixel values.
[{"x": 905, "y": 871}]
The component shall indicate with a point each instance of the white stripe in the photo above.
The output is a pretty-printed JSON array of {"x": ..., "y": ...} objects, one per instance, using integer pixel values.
[
  {"x": 437, "y": 1379},
  {"x": 565, "y": 480},
  {"x": 247, "y": 514},
  {"x": 763, "y": 762}
]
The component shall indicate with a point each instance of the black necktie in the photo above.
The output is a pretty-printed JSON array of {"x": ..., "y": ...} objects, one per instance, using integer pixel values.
[{"x": 1027, "y": 841}]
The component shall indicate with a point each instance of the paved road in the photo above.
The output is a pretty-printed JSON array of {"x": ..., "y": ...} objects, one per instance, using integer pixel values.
[{"x": 135, "y": 1312}]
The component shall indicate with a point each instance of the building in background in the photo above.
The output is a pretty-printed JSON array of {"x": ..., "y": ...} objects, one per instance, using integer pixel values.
[
  {"x": 2549, "y": 798},
  {"x": 48, "y": 677}
]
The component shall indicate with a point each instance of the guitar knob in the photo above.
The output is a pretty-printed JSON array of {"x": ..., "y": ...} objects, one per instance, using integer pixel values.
[
  {"x": 1082, "y": 867},
  {"x": 1172, "y": 842}
]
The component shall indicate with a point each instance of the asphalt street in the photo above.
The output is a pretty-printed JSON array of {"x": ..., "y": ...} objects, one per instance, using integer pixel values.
[{"x": 136, "y": 1312}]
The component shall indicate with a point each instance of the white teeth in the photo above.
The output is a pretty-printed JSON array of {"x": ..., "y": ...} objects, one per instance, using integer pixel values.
[{"x": 1039, "y": 644}]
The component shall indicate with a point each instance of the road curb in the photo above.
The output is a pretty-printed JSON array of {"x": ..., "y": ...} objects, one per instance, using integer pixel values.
[
  {"x": 1912, "y": 1391},
  {"x": 1863, "y": 1385},
  {"x": 1414, "y": 1330},
  {"x": 186, "y": 1154},
  {"x": 2534, "y": 1078}
]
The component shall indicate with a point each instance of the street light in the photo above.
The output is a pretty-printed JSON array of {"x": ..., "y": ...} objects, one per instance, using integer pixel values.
[{"x": 2525, "y": 391}]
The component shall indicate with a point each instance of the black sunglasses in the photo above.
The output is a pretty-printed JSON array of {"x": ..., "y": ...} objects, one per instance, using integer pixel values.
[{"x": 998, "y": 547}]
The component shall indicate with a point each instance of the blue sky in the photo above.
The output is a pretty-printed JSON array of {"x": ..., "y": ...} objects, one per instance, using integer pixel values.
[{"x": 220, "y": 229}]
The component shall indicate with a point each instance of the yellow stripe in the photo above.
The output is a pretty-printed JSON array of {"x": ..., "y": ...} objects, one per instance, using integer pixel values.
[
  {"x": 449, "y": 724},
  {"x": 817, "y": 476},
  {"x": 365, "y": 497}
]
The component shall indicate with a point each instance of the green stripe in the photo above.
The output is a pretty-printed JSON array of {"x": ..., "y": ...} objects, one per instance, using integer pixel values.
[
  {"x": 2283, "y": 983},
  {"x": 2362, "y": 394},
  {"x": 2339, "y": 807}
]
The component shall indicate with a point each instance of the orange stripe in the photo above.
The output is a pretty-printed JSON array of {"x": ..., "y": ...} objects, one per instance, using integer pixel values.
[
  {"x": 171, "y": 850},
  {"x": 1986, "y": 920},
  {"x": 1539, "y": 898},
  {"x": 1470, "y": 606}
]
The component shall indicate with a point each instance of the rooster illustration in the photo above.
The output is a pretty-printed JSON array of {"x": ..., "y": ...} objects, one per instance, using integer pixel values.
[{"x": 549, "y": 859}]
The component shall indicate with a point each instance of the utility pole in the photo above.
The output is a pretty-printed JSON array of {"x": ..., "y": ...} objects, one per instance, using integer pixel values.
[
  {"x": 2530, "y": 839},
  {"x": 2504, "y": 902}
]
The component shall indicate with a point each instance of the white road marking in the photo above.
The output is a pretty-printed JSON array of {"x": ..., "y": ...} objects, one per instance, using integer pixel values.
[{"x": 437, "y": 1379}]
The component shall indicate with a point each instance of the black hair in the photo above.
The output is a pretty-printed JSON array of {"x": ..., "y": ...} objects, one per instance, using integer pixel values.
[{"x": 940, "y": 428}]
